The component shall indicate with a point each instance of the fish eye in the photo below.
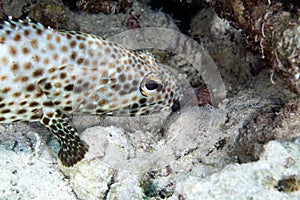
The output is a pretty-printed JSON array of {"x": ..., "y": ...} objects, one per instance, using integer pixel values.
[{"x": 151, "y": 85}]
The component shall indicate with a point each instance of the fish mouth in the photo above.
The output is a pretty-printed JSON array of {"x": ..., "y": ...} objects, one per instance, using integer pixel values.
[
  {"x": 188, "y": 98},
  {"x": 176, "y": 106}
]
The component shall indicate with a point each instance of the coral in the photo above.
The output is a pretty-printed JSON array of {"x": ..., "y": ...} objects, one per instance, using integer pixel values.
[
  {"x": 271, "y": 124},
  {"x": 273, "y": 29},
  {"x": 132, "y": 21},
  {"x": 104, "y": 6},
  {"x": 288, "y": 184},
  {"x": 253, "y": 135},
  {"x": 203, "y": 95},
  {"x": 2, "y": 13},
  {"x": 50, "y": 13}
]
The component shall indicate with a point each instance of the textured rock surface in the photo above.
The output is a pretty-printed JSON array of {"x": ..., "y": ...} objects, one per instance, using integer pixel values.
[
  {"x": 232, "y": 58},
  {"x": 25, "y": 176},
  {"x": 252, "y": 180},
  {"x": 115, "y": 153}
]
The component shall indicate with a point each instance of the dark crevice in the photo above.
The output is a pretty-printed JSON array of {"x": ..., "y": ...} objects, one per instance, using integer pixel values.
[{"x": 178, "y": 10}]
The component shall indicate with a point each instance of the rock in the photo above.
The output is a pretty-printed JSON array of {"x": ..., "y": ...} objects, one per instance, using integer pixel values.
[
  {"x": 226, "y": 46},
  {"x": 257, "y": 180},
  {"x": 25, "y": 176}
]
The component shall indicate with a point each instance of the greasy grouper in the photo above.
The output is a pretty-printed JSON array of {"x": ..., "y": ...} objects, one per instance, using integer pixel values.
[{"x": 47, "y": 74}]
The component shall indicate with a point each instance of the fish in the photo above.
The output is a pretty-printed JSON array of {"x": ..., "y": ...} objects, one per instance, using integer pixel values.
[{"x": 47, "y": 75}]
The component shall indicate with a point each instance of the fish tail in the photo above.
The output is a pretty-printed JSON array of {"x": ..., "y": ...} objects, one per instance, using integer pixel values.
[{"x": 72, "y": 148}]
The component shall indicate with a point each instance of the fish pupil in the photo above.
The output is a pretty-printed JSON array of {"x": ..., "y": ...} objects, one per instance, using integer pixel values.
[{"x": 151, "y": 85}]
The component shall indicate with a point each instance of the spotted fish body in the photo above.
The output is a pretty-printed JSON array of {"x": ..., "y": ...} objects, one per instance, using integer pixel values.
[{"x": 47, "y": 74}]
